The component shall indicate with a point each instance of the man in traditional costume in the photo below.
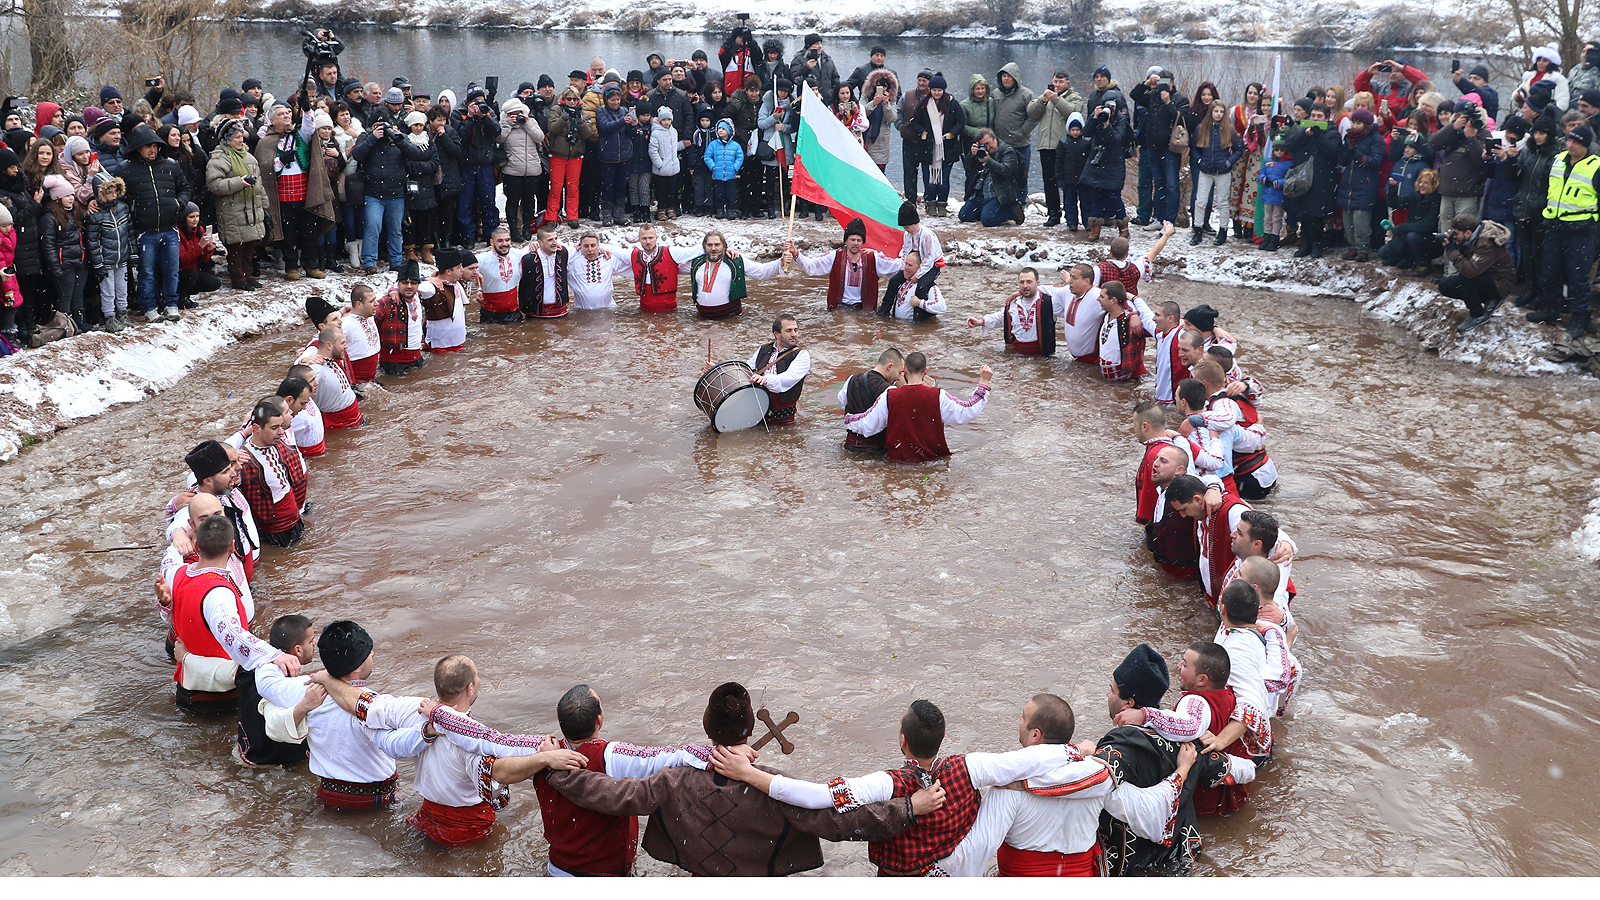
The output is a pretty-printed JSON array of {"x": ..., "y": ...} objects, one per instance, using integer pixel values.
[
  {"x": 1211, "y": 435},
  {"x": 1213, "y": 529},
  {"x": 1118, "y": 267},
  {"x": 593, "y": 273},
  {"x": 1028, "y": 317},
  {"x": 1256, "y": 673},
  {"x": 1081, "y": 314},
  {"x": 362, "y": 343},
  {"x": 272, "y": 476},
  {"x": 781, "y": 367},
  {"x": 1253, "y": 470},
  {"x": 444, "y": 301},
  {"x": 920, "y": 239},
  {"x": 272, "y": 735},
  {"x": 399, "y": 319},
  {"x": 1170, "y": 368},
  {"x": 853, "y": 271},
  {"x": 355, "y": 765},
  {"x": 1171, "y": 538},
  {"x": 462, "y": 787},
  {"x": 216, "y": 472},
  {"x": 1047, "y": 826},
  {"x": 862, "y": 390},
  {"x": 655, "y": 272},
  {"x": 501, "y": 268},
  {"x": 1122, "y": 334},
  {"x": 935, "y": 835},
  {"x": 335, "y": 393},
  {"x": 1203, "y": 319},
  {"x": 211, "y": 617},
  {"x": 1150, "y": 427},
  {"x": 718, "y": 278},
  {"x": 912, "y": 416},
  {"x": 905, "y": 303},
  {"x": 707, "y": 824},
  {"x": 1140, "y": 756},
  {"x": 582, "y": 842},
  {"x": 544, "y": 292}
]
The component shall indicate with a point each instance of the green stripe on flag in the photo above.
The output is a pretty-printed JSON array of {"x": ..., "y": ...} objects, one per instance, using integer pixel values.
[{"x": 846, "y": 183}]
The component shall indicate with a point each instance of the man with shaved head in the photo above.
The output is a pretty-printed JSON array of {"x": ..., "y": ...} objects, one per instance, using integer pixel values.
[{"x": 1169, "y": 537}]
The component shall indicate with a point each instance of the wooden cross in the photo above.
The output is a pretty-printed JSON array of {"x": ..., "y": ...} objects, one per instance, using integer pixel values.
[{"x": 775, "y": 730}]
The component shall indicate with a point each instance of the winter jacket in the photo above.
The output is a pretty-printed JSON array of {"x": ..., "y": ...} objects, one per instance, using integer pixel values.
[
  {"x": 1499, "y": 190},
  {"x": 824, "y": 77},
  {"x": 615, "y": 145},
  {"x": 110, "y": 157},
  {"x": 383, "y": 163},
  {"x": 564, "y": 144},
  {"x": 976, "y": 114},
  {"x": 682, "y": 110},
  {"x": 156, "y": 192},
  {"x": 698, "y": 143},
  {"x": 922, "y": 124},
  {"x": 663, "y": 149},
  {"x": 639, "y": 137},
  {"x": 1107, "y": 167},
  {"x": 1404, "y": 173},
  {"x": 62, "y": 241},
  {"x": 1361, "y": 180},
  {"x": 1051, "y": 116},
  {"x": 1461, "y": 170},
  {"x": 479, "y": 135},
  {"x": 1422, "y": 213},
  {"x": 909, "y": 101},
  {"x": 881, "y": 117},
  {"x": 1562, "y": 93},
  {"x": 521, "y": 141},
  {"x": 191, "y": 248},
  {"x": 1319, "y": 146},
  {"x": 1002, "y": 174},
  {"x": 1533, "y": 177},
  {"x": 449, "y": 147},
  {"x": 1155, "y": 128},
  {"x": 1072, "y": 153},
  {"x": 1012, "y": 124},
  {"x": 241, "y": 208},
  {"x": 745, "y": 114},
  {"x": 1580, "y": 78},
  {"x": 858, "y": 78},
  {"x": 109, "y": 231},
  {"x": 1484, "y": 252},
  {"x": 1398, "y": 95},
  {"x": 1271, "y": 181},
  {"x": 25, "y": 212},
  {"x": 724, "y": 158},
  {"x": 771, "y": 115},
  {"x": 420, "y": 195},
  {"x": 1215, "y": 159}
]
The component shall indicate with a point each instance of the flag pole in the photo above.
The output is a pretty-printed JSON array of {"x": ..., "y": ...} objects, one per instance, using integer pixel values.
[{"x": 790, "y": 239}]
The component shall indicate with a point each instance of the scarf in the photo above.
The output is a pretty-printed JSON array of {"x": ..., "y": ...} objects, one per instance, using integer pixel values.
[
  {"x": 238, "y": 168},
  {"x": 421, "y": 140},
  {"x": 936, "y": 125}
]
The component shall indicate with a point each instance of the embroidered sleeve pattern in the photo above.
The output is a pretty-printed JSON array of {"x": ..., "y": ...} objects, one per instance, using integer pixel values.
[
  {"x": 364, "y": 704},
  {"x": 1061, "y": 790},
  {"x": 480, "y": 738},
  {"x": 1176, "y": 781},
  {"x": 843, "y": 800},
  {"x": 1182, "y": 723}
]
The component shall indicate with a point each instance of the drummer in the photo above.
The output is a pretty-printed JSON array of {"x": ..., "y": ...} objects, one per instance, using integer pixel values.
[
  {"x": 781, "y": 367},
  {"x": 717, "y": 278}
]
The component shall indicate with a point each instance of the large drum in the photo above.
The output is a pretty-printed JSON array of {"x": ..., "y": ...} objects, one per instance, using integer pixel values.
[{"x": 726, "y": 394}]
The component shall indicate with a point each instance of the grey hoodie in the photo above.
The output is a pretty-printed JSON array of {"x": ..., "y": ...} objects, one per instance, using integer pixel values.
[{"x": 1011, "y": 122}]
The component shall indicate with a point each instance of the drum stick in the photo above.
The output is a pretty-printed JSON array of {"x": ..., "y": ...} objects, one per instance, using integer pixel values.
[{"x": 708, "y": 351}]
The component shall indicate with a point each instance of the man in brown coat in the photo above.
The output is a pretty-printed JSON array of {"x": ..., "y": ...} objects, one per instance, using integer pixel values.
[
  {"x": 707, "y": 824},
  {"x": 299, "y": 196},
  {"x": 1484, "y": 273}
]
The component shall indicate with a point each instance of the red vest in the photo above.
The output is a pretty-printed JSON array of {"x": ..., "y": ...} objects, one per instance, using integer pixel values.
[
  {"x": 936, "y": 834},
  {"x": 916, "y": 425},
  {"x": 188, "y": 593},
  {"x": 1173, "y": 543},
  {"x": 656, "y": 282},
  {"x": 583, "y": 841},
  {"x": 1216, "y": 544},
  {"x": 1227, "y": 798},
  {"x": 1128, "y": 275},
  {"x": 869, "y": 280},
  {"x": 1145, "y": 491}
]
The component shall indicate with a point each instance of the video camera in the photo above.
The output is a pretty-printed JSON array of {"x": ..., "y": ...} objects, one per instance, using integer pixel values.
[{"x": 320, "y": 46}]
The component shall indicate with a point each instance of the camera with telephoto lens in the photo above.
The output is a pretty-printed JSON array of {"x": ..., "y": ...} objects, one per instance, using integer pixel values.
[
  {"x": 1101, "y": 114},
  {"x": 1442, "y": 236}
]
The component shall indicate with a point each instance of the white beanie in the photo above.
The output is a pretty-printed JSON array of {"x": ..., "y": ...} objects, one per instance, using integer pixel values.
[
  {"x": 322, "y": 119},
  {"x": 187, "y": 115},
  {"x": 5, "y": 214},
  {"x": 1550, "y": 51},
  {"x": 664, "y": 112}
]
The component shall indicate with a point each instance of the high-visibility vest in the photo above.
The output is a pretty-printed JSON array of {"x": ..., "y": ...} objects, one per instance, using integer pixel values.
[{"x": 1572, "y": 195}]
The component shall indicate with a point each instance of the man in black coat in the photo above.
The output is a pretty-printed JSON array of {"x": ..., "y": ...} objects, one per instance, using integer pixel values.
[
  {"x": 1315, "y": 144},
  {"x": 157, "y": 193},
  {"x": 382, "y": 154},
  {"x": 479, "y": 129}
]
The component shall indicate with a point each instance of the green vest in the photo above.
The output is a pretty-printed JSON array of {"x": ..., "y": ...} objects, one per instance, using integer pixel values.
[
  {"x": 735, "y": 289},
  {"x": 1572, "y": 195}
]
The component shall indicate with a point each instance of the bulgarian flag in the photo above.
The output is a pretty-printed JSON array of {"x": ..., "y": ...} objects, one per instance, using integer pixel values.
[{"x": 833, "y": 169}]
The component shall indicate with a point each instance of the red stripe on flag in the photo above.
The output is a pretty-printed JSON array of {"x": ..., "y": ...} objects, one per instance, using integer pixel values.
[{"x": 885, "y": 239}]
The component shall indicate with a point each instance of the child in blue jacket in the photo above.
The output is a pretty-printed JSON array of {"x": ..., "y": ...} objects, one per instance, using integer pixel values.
[
  {"x": 724, "y": 157},
  {"x": 1272, "y": 174}
]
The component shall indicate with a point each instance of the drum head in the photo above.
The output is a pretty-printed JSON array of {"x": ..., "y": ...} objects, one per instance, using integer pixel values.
[{"x": 743, "y": 408}]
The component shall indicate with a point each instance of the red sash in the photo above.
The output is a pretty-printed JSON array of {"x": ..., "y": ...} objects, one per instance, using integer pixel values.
[
  {"x": 317, "y": 449},
  {"x": 345, "y": 795},
  {"x": 454, "y": 826},
  {"x": 1016, "y": 863},
  {"x": 499, "y": 301},
  {"x": 362, "y": 371},
  {"x": 349, "y": 417}
]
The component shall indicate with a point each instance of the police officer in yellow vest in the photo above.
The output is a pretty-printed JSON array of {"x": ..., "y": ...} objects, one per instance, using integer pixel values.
[{"x": 1570, "y": 215}]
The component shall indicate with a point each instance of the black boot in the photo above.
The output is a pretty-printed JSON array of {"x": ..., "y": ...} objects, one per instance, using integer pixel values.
[
  {"x": 1222, "y": 236},
  {"x": 1194, "y": 240},
  {"x": 1529, "y": 299},
  {"x": 1304, "y": 251},
  {"x": 1316, "y": 250}
]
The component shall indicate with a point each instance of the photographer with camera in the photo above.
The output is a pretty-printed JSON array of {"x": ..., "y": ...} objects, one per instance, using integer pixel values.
[
  {"x": 1484, "y": 271},
  {"x": 1162, "y": 113},
  {"x": 383, "y": 153},
  {"x": 568, "y": 130},
  {"x": 322, "y": 49},
  {"x": 1050, "y": 110},
  {"x": 1000, "y": 182},
  {"x": 735, "y": 56},
  {"x": 1460, "y": 147},
  {"x": 814, "y": 67},
  {"x": 1107, "y": 168},
  {"x": 479, "y": 132},
  {"x": 1388, "y": 80},
  {"x": 522, "y": 135}
]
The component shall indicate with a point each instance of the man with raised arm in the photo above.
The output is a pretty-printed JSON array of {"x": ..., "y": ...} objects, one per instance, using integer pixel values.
[{"x": 913, "y": 415}]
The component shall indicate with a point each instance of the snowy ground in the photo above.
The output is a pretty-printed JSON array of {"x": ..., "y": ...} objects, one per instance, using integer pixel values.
[{"x": 1261, "y": 23}]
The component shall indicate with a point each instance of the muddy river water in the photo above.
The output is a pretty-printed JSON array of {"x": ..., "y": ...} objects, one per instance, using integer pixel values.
[{"x": 552, "y": 504}]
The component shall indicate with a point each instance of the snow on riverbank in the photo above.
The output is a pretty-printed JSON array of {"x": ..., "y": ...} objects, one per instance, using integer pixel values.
[
  {"x": 1330, "y": 24},
  {"x": 1587, "y": 537},
  {"x": 69, "y": 381}
]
